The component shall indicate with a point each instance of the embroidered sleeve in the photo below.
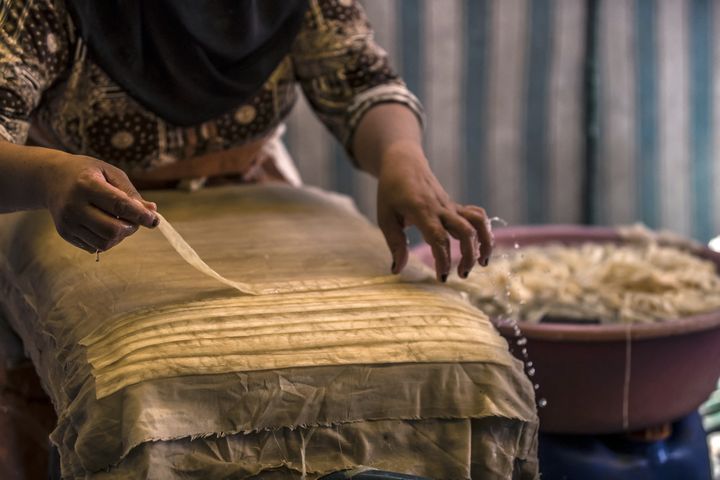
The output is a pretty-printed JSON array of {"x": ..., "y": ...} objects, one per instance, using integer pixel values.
[
  {"x": 342, "y": 71},
  {"x": 33, "y": 53}
]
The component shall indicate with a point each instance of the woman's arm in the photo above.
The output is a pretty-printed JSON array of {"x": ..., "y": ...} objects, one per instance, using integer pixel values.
[
  {"x": 388, "y": 144},
  {"x": 93, "y": 204},
  {"x": 21, "y": 170},
  {"x": 354, "y": 90}
]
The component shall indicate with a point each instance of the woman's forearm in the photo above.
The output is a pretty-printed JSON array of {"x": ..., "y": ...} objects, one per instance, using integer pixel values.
[
  {"x": 23, "y": 171},
  {"x": 385, "y": 130}
]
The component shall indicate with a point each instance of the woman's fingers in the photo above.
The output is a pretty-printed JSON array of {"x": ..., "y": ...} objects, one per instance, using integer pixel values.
[
  {"x": 150, "y": 205},
  {"x": 96, "y": 230},
  {"x": 436, "y": 236},
  {"x": 113, "y": 193},
  {"x": 92, "y": 230},
  {"x": 477, "y": 217},
  {"x": 462, "y": 230},
  {"x": 119, "y": 179},
  {"x": 470, "y": 226},
  {"x": 96, "y": 242},
  {"x": 118, "y": 204},
  {"x": 110, "y": 230},
  {"x": 394, "y": 232},
  {"x": 78, "y": 242}
]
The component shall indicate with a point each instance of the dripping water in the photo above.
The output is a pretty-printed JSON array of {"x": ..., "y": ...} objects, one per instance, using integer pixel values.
[
  {"x": 499, "y": 221},
  {"x": 520, "y": 341}
]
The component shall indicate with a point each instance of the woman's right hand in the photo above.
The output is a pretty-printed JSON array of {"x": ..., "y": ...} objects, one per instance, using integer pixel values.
[{"x": 93, "y": 204}]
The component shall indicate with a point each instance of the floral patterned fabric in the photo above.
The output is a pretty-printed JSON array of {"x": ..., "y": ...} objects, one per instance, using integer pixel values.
[{"x": 52, "y": 92}]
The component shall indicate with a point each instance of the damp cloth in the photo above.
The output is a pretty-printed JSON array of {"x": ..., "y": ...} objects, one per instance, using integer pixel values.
[{"x": 141, "y": 349}]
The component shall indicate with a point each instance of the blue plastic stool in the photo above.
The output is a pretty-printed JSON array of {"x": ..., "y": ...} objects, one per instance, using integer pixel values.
[
  {"x": 682, "y": 456},
  {"x": 370, "y": 475}
]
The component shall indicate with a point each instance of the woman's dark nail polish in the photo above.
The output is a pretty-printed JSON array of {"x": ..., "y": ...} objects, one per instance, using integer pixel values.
[
  {"x": 465, "y": 274},
  {"x": 443, "y": 277},
  {"x": 156, "y": 221},
  {"x": 392, "y": 268},
  {"x": 485, "y": 262}
]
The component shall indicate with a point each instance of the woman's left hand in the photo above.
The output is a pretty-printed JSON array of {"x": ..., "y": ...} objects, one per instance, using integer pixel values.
[{"x": 409, "y": 194}]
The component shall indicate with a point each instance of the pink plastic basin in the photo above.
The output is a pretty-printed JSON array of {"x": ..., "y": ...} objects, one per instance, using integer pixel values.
[{"x": 674, "y": 365}]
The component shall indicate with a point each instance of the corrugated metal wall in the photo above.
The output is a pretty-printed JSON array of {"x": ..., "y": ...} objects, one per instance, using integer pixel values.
[{"x": 503, "y": 83}]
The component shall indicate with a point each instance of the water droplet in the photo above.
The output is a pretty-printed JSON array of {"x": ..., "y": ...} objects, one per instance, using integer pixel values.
[
  {"x": 536, "y": 386},
  {"x": 524, "y": 352},
  {"x": 498, "y": 220},
  {"x": 529, "y": 364},
  {"x": 516, "y": 245},
  {"x": 542, "y": 403},
  {"x": 531, "y": 372},
  {"x": 522, "y": 341}
]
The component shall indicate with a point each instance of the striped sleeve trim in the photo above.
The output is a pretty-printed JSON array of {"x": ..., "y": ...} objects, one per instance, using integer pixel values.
[{"x": 389, "y": 93}]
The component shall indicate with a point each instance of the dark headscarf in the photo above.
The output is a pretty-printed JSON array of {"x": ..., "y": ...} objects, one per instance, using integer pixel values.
[{"x": 189, "y": 60}]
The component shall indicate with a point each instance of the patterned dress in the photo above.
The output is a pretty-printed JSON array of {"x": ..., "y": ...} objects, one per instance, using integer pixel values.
[{"x": 52, "y": 93}]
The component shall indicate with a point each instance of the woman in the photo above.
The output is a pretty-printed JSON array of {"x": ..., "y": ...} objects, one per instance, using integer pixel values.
[
  {"x": 100, "y": 99},
  {"x": 116, "y": 96}
]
